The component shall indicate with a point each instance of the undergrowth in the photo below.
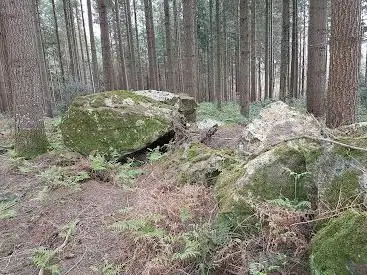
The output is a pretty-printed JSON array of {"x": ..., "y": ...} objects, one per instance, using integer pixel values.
[{"x": 7, "y": 208}]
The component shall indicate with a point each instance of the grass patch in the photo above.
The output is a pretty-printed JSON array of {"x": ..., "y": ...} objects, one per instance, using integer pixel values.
[{"x": 7, "y": 209}]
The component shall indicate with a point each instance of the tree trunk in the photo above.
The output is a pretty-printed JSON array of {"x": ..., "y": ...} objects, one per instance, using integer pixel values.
[
  {"x": 284, "y": 65},
  {"x": 178, "y": 55},
  {"x": 5, "y": 92},
  {"x": 56, "y": 25},
  {"x": 245, "y": 57},
  {"x": 190, "y": 80},
  {"x": 167, "y": 22},
  {"x": 152, "y": 56},
  {"x": 86, "y": 47},
  {"x": 267, "y": 51},
  {"x": 271, "y": 51},
  {"x": 80, "y": 39},
  {"x": 105, "y": 43},
  {"x": 130, "y": 42},
  {"x": 316, "y": 63},
  {"x": 124, "y": 81},
  {"x": 69, "y": 39},
  {"x": 253, "y": 50},
  {"x": 344, "y": 62},
  {"x": 21, "y": 43},
  {"x": 294, "y": 64},
  {"x": 218, "y": 85},
  {"x": 211, "y": 88},
  {"x": 93, "y": 47},
  {"x": 138, "y": 59}
]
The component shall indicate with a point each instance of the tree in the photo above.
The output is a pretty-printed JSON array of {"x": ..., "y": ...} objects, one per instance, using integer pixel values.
[
  {"x": 253, "y": 50},
  {"x": 284, "y": 65},
  {"x": 167, "y": 23},
  {"x": 19, "y": 23},
  {"x": 5, "y": 93},
  {"x": 244, "y": 57},
  {"x": 152, "y": 56},
  {"x": 344, "y": 62},
  {"x": 93, "y": 47},
  {"x": 106, "y": 49},
  {"x": 190, "y": 80},
  {"x": 58, "y": 43},
  {"x": 124, "y": 82},
  {"x": 317, "y": 52},
  {"x": 218, "y": 84},
  {"x": 293, "y": 90}
]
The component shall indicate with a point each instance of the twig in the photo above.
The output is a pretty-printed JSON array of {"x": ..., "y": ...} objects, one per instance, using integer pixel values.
[
  {"x": 78, "y": 262},
  {"x": 335, "y": 142},
  {"x": 58, "y": 249}
]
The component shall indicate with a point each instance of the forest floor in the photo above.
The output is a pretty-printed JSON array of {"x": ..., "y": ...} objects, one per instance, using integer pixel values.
[{"x": 70, "y": 227}]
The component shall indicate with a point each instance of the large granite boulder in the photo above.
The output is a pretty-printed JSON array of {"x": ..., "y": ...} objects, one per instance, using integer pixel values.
[
  {"x": 186, "y": 105},
  {"x": 115, "y": 123},
  {"x": 277, "y": 123}
]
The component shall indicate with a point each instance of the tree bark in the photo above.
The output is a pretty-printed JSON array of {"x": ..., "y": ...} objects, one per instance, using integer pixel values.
[
  {"x": 138, "y": 59},
  {"x": 267, "y": 52},
  {"x": 316, "y": 63},
  {"x": 130, "y": 42},
  {"x": 253, "y": 50},
  {"x": 293, "y": 90},
  {"x": 245, "y": 57},
  {"x": 5, "y": 92},
  {"x": 167, "y": 23},
  {"x": 21, "y": 43},
  {"x": 124, "y": 81},
  {"x": 56, "y": 25},
  {"x": 218, "y": 86},
  {"x": 105, "y": 43},
  {"x": 284, "y": 65},
  {"x": 344, "y": 62},
  {"x": 190, "y": 80},
  {"x": 93, "y": 47},
  {"x": 152, "y": 56}
]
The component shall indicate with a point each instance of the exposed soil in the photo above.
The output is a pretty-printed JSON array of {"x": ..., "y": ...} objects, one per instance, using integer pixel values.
[
  {"x": 38, "y": 223},
  {"x": 95, "y": 206}
]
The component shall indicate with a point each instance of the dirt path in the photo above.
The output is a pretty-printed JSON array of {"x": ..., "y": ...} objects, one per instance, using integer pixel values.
[{"x": 38, "y": 223}]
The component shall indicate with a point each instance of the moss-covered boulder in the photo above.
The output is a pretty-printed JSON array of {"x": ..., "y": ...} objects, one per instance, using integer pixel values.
[
  {"x": 282, "y": 172},
  {"x": 184, "y": 104},
  {"x": 340, "y": 247},
  {"x": 200, "y": 164},
  {"x": 117, "y": 122}
]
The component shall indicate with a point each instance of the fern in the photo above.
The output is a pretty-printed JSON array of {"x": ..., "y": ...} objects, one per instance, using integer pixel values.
[
  {"x": 295, "y": 205},
  {"x": 98, "y": 163},
  {"x": 42, "y": 258},
  {"x": 107, "y": 269},
  {"x": 154, "y": 155},
  {"x": 192, "y": 249},
  {"x": 57, "y": 176}
]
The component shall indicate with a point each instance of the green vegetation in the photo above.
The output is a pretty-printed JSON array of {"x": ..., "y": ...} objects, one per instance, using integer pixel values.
[
  {"x": 45, "y": 259},
  {"x": 56, "y": 176},
  {"x": 7, "y": 208},
  {"x": 341, "y": 245}
]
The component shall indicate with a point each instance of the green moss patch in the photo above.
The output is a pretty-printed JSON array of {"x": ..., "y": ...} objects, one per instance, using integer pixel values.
[
  {"x": 341, "y": 246},
  {"x": 343, "y": 190}
]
